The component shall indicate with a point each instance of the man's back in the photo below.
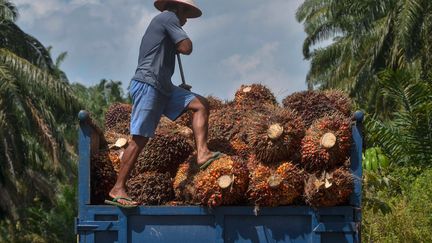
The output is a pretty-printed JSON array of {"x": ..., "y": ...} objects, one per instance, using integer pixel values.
[{"x": 156, "y": 60}]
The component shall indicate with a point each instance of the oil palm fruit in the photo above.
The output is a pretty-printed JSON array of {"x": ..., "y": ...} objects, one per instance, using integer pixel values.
[
  {"x": 185, "y": 119},
  {"x": 340, "y": 100},
  {"x": 112, "y": 137},
  {"x": 115, "y": 156},
  {"x": 150, "y": 188},
  {"x": 229, "y": 128},
  {"x": 117, "y": 118},
  {"x": 166, "y": 126},
  {"x": 311, "y": 105},
  {"x": 214, "y": 103},
  {"x": 276, "y": 134},
  {"x": 253, "y": 96},
  {"x": 275, "y": 185},
  {"x": 329, "y": 189},
  {"x": 183, "y": 181},
  {"x": 223, "y": 182},
  {"x": 163, "y": 153},
  {"x": 103, "y": 176},
  {"x": 326, "y": 143}
]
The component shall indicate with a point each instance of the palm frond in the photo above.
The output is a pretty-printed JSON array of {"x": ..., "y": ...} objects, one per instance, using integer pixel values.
[
  {"x": 40, "y": 82},
  {"x": 8, "y": 11}
]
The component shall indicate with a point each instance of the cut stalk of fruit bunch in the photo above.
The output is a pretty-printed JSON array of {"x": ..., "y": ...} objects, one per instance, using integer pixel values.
[
  {"x": 224, "y": 182},
  {"x": 329, "y": 189},
  {"x": 327, "y": 143},
  {"x": 253, "y": 96},
  {"x": 275, "y": 135},
  {"x": 274, "y": 185}
]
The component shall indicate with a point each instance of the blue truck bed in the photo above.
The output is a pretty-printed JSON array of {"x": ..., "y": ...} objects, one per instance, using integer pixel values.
[{"x": 103, "y": 223}]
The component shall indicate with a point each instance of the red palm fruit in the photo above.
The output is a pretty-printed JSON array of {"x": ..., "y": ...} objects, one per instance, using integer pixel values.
[
  {"x": 224, "y": 182},
  {"x": 103, "y": 177},
  {"x": 166, "y": 126},
  {"x": 117, "y": 118},
  {"x": 115, "y": 156},
  {"x": 163, "y": 153},
  {"x": 185, "y": 119},
  {"x": 311, "y": 105},
  {"x": 253, "y": 96},
  {"x": 150, "y": 188},
  {"x": 276, "y": 134},
  {"x": 227, "y": 131},
  {"x": 329, "y": 189},
  {"x": 183, "y": 181},
  {"x": 340, "y": 100},
  {"x": 275, "y": 185},
  {"x": 327, "y": 143}
]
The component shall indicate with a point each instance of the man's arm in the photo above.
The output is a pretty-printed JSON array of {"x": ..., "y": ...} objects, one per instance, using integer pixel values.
[{"x": 184, "y": 47}]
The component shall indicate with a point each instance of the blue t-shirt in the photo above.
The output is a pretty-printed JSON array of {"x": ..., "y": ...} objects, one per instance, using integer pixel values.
[{"x": 156, "y": 60}]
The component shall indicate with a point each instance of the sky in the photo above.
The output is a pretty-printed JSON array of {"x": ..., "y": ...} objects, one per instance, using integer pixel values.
[{"x": 235, "y": 42}]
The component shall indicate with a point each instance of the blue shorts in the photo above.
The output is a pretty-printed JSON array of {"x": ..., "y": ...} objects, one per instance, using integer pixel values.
[{"x": 148, "y": 106}]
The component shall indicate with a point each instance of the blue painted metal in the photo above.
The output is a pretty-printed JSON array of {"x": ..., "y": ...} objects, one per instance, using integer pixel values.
[{"x": 104, "y": 223}]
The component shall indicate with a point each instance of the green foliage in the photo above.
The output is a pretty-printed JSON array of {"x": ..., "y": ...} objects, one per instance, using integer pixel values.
[
  {"x": 407, "y": 136},
  {"x": 43, "y": 223},
  {"x": 96, "y": 99},
  {"x": 367, "y": 36},
  {"x": 410, "y": 218}
]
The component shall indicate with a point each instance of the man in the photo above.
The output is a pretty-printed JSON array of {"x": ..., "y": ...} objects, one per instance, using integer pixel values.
[{"x": 154, "y": 95}]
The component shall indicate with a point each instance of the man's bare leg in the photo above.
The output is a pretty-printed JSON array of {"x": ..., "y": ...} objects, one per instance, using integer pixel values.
[
  {"x": 200, "y": 109},
  {"x": 128, "y": 160}
]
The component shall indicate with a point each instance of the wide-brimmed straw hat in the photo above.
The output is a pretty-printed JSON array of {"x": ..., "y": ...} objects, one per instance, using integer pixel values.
[{"x": 192, "y": 12}]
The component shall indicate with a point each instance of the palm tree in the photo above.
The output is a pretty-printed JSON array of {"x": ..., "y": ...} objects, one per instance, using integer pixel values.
[
  {"x": 31, "y": 142},
  {"x": 19, "y": 42},
  {"x": 99, "y": 97},
  {"x": 407, "y": 136},
  {"x": 367, "y": 37}
]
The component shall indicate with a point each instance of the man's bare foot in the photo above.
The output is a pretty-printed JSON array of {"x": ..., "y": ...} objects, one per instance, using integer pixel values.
[{"x": 115, "y": 193}]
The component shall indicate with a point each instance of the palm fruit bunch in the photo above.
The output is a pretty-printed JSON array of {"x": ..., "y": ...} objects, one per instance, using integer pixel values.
[
  {"x": 227, "y": 132},
  {"x": 117, "y": 118},
  {"x": 214, "y": 103},
  {"x": 183, "y": 181},
  {"x": 112, "y": 137},
  {"x": 224, "y": 182},
  {"x": 103, "y": 176},
  {"x": 253, "y": 96},
  {"x": 185, "y": 119},
  {"x": 329, "y": 188},
  {"x": 150, "y": 188},
  {"x": 326, "y": 143},
  {"x": 165, "y": 126},
  {"x": 276, "y": 134},
  {"x": 274, "y": 185},
  {"x": 163, "y": 153},
  {"x": 340, "y": 100},
  {"x": 115, "y": 156},
  {"x": 311, "y": 105}
]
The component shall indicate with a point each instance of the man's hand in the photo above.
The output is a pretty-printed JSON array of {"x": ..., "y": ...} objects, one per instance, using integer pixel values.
[
  {"x": 184, "y": 47},
  {"x": 186, "y": 87}
]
